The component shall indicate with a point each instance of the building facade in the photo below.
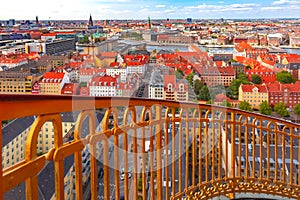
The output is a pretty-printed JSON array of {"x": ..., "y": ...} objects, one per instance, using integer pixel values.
[
  {"x": 253, "y": 94},
  {"x": 52, "y": 83},
  {"x": 103, "y": 86}
]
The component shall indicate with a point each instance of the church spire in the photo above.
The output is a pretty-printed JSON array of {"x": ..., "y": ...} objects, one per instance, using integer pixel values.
[
  {"x": 149, "y": 22},
  {"x": 91, "y": 21}
]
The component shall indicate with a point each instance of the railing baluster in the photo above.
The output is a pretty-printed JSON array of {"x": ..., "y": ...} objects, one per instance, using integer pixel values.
[
  {"x": 213, "y": 145},
  {"x": 166, "y": 154},
  {"x": 186, "y": 148},
  {"x": 239, "y": 149},
  {"x": 94, "y": 171},
  {"x": 173, "y": 151},
  {"x": 220, "y": 149},
  {"x": 268, "y": 153},
  {"x": 143, "y": 162},
  {"x": 246, "y": 146},
  {"x": 106, "y": 169},
  {"x": 180, "y": 154},
  {"x": 291, "y": 156},
  {"x": 283, "y": 157},
  {"x": 125, "y": 154},
  {"x": 152, "y": 170},
  {"x": 261, "y": 146},
  {"x": 284, "y": 182},
  {"x": 159, "y": 148},
  {"x": 233, "y": 154},
  {"x": 253, "y": 149},
  {"x": 226, "y": 144},
  {"x": 276, "y": 152},
  {"x": 116, "y": 166},
  {"x": 1, "y": 168},
  {"x": 200, "y": 148},
  {"x": 207, "y": 167},
  {"x": 298, "y": 174}
]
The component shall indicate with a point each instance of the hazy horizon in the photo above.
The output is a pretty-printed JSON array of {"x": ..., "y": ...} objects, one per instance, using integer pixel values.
[{"x": 162, "y": 9}]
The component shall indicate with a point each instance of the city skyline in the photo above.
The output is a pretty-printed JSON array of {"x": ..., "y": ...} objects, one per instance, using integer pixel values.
[{"x": 131, "y": 9}]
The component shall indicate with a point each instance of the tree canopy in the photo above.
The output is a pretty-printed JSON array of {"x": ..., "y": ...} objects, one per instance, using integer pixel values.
[
  {"x": 297, "y": 109},
  {"x": 190, "y": 79},
  {"x": 244, "y": 105},
  {"x": 285, "y": 77},
  {"x": 265, "y": 108},
  {"x": 280, "y": 109},
  {"x": 197, "y": 86},
  {"x": 235, "y": 84},
  {"x": 204, "y": 94},
  {"x": 179, "y": 74},
  {"x": 256, "y": 79},
  {"x": 226, "y": 104}
]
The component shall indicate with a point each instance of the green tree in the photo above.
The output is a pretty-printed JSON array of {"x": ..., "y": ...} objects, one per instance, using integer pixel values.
[
  {"x": 204, "y": 94},
  {"x": 85, "y": 39},
  {"x": 82, "y": 84},
  {"x": 280, "y": 109},
  {"x": 235, "y": 84},
  {"x": 179, "y": 74},
  {"x": 297, "y": 109},
  {"x": 197, "y": 86},
  {"x": 285, "y": 77},
  {"x": 242, "y": 76},
  {"x": 265, "y": 108},
  {"x": 256, "y": 79},
  {"x": 226, "y": 104},
  {"x": 211, "y": 102},
  {"x": 245, "y": 106},
  {"x": 190, "y": 79}
]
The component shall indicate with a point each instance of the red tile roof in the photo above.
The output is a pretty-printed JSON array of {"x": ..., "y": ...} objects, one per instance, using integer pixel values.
[
  {"x": 103, "y": 81},
  {"x": 108, "y": 54},
  {"x": 243, "y": 46},
  {"x": 53, "y": 77},
  {"x": 249, "y": 88},
  {"x": 70, "y": 89}
]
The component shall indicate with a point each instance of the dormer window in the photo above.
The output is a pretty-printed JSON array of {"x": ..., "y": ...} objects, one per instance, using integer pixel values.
[
  {"x": 170, "y": 87},
  {"x": 181, "y": 87}
]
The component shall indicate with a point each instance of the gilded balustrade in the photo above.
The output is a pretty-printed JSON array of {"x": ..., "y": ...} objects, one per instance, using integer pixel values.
[{"x": 195, "y": 151}]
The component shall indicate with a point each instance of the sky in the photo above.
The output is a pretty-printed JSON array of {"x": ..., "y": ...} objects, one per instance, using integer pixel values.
[{"x": 156, "y": 9}]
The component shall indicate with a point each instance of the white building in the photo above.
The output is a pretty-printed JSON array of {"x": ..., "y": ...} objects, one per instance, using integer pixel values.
[
  {"x": 156, "y": 86},
  {"x": 118, "y": 71},
  {"x": 138, "y": 68},
  {"x": 103, "y": 86}
]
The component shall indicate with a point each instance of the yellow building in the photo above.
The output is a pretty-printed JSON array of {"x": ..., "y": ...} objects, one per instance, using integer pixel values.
[
  {"x": 253, "y": 94},
  {"x": 53, "y": 82},
  {"x": 15, "y": 135},
  {"x": 104, "y": 59},
  {"x": 15, "y": 82}
]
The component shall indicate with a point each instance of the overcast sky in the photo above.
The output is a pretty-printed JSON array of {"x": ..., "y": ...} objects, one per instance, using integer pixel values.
[{"x": 141, "y": 9}]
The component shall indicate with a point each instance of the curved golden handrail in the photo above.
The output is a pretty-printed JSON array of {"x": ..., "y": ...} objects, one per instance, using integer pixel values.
[{"x": 207, "y": 150}]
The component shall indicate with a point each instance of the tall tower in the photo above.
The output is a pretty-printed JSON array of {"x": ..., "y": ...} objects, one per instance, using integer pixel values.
[
  {"x": 37, "y": 21},
  {"x": 149, "y": 23},
  {"x": 91, "y": 21}
]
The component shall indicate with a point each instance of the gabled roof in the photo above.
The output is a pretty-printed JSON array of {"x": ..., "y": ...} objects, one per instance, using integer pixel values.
[
  {"x": 241, "y": 47},
  {"x": 250, "y": 88}
]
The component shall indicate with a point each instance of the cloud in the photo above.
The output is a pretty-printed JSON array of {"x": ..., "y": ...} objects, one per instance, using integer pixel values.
[
  {"x": 160, "y": 6},
  {"x": 280, "y": 2},
  {"x": 223, "y": 8},
  {"x": 272, "y": 8}
]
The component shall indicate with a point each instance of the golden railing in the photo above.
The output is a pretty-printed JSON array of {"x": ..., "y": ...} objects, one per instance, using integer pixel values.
[{"x": 195, "y": 151}]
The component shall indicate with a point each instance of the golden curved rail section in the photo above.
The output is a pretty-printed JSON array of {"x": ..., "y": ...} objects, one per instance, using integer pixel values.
[{"x": 176, "y": 150}]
